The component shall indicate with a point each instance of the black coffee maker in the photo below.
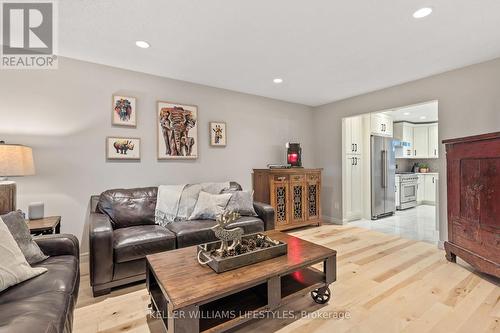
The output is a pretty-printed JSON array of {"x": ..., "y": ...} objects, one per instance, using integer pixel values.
[{"x": 294, "y": 155}]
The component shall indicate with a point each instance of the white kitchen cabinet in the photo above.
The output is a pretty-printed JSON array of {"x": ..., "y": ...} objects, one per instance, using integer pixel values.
[
  {"x": 426, "y": 189},
  {"x": 353, "y": 139},
  {"x": 423, "y": 139},
  {"x": 420, "y": 141},
  {"x": 403, "y": 131},
  {"x": 353, "y": 204},
  {"x": 389, "y": 126},
  {"x": 430, "y": 189},
  {"x": 381, "y": 124},
  {"x": 433, "y": 141},
  {"x": 420, "y": 189}
]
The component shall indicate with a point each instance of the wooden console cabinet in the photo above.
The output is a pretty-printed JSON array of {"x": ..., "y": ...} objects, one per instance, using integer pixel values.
[
  {"x": 473, "y": 171},
  {"x": 294, "y": 194}
]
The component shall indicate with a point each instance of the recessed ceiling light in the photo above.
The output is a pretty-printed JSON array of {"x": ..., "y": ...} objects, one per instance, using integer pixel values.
[
  {"x": 142, "y": 44},
  {"x": 278, "y": 80},
  {"x": 423, "y": 117},
  {"x": 406, "y": 113},
  {"x": 422, "y": 12}
]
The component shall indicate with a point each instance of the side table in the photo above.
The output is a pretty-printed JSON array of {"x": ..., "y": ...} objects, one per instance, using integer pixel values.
[{"x": 45, "y": 226}]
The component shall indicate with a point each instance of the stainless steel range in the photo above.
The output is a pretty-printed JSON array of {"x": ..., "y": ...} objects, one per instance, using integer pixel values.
[{"x": 407, "y": 190}]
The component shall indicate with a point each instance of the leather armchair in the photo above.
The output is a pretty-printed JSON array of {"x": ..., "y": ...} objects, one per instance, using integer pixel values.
[
  {"x": 59, "y": 245},
  {"x": 46, "y": 302}
]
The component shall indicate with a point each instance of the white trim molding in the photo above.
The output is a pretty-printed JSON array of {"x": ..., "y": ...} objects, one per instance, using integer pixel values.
[{"x": 333, "y": 220}]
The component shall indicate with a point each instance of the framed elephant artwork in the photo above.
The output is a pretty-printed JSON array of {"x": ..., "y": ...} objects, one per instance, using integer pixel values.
[
  {"x": 123, "y": 148},
  {"x": 177, "y": 131},
  {"x": 124, "y": 111},
  {"x": 218, "y": 134}
]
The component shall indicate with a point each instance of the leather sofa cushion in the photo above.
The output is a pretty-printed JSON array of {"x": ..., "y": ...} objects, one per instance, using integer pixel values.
[
  {"x": 136, "y": 242},
  {"x": 128, "y": 269},
  {"x": 129, "y": 207},
  {"x": 196, "y": 232},
  {"x": 62, "y": 276},
  {"x": 45, "y": 312}
]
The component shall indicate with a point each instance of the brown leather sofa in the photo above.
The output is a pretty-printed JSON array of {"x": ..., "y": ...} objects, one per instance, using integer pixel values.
[
  {"x": 123, "y": 231},
  {"x": 45, "y": 303}
]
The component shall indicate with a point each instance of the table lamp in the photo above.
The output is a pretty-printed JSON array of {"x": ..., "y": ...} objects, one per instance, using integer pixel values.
[{"x": 15, "y": 161}]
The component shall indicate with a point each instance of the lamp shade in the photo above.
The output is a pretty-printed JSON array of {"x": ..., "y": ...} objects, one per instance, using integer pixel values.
[{"x": 16, "y": 160}]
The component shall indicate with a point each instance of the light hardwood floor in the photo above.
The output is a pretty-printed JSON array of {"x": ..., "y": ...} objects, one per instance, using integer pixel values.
[{"x": 384, "y": 284}]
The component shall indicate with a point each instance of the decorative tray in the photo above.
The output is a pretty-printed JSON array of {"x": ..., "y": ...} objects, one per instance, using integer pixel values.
[{"x": 253, "y": 248}]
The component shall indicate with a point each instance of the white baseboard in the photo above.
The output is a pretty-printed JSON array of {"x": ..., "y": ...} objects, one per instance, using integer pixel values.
[
  {"x": 333, "y": 220},
  {"x": 440, "y": 245}
]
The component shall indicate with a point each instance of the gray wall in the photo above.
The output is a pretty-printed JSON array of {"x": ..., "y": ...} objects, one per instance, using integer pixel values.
[
  {"x": 65, "y": 116},
  {"x": 469, "y": 104}
]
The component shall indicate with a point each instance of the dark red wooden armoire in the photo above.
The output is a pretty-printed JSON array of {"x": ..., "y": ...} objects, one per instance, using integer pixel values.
[{"x": 473, "y": 174}]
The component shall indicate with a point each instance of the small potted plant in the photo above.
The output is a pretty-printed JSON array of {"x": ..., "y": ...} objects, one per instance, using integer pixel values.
[{"x": 423, "y": 167}]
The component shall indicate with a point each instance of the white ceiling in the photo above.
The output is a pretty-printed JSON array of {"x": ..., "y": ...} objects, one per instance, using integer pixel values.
[
  {"x": 325, "y": 50},
  {"x": 419, "y": 113}
]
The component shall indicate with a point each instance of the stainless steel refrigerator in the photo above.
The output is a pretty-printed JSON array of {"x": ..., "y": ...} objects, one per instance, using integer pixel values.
[{"x": 383, "y": 177}]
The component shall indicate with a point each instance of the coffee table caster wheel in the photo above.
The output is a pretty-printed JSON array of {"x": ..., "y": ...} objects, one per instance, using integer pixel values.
[{"x": 321, "y": 295}]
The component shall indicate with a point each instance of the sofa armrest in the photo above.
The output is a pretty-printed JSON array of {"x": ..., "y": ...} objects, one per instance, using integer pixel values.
[
  {"x": 100, "y": 249},
  {"x": 59, "y": 245},
  {"x": 266, "y": 213}
]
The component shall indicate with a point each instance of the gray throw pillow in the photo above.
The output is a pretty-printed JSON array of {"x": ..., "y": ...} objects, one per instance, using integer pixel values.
[
  {"x": 209, "y": 206},
  {"x": 21, "y": 233},
  {"x": 13, "y": 266},
  {"x": 241, "y": 202}
]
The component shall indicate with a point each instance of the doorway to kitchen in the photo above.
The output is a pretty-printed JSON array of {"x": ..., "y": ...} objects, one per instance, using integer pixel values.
[{"x": 390, "y": 171}]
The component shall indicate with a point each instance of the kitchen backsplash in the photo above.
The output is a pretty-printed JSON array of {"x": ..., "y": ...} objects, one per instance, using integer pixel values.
[{"x": 405, "y": 164}]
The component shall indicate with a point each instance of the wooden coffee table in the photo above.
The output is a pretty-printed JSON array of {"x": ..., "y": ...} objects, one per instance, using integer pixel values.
[{"x": 186, "y": 295}]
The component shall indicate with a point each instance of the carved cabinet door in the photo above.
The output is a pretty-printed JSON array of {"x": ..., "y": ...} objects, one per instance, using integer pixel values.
[
  {"x": 297, "y": 198},
  {"x": 474, "y": 197},
  {"x": 313, "y": 184},
  {"x": 474, "y": 204},
  {"x": 280, "y": 198}
]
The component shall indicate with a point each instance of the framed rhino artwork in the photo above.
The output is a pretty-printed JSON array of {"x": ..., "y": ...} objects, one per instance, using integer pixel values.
[
  {"x": 218, "y": 133},
  {"x": 123, "y": 148},
  {"x": 124, "y": 111},
  {"x": 177, "y": 131}
]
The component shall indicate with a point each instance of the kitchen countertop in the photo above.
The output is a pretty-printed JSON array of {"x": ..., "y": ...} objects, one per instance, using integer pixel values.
[{"x": 427, "y": 173}]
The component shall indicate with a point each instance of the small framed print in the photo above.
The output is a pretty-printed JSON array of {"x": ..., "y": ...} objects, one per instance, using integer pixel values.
[
  {"x": 218, "y": 134},
  {"x": 124, "y": 111},
  {"x": 123, "y": 148}
]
